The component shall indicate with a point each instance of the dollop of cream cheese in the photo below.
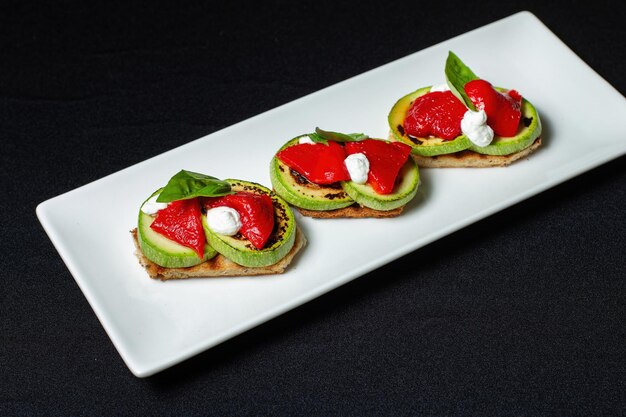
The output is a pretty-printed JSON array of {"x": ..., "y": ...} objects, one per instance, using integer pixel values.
[
  {"x": 223, "y": 220},
  {"x": 358, "y": 167},
  {"x": 305, "y": 139},
  {"x": 474, "y": 126},
  {"x": 151, "y": 207},
  {"x": 439, "y": 87}
]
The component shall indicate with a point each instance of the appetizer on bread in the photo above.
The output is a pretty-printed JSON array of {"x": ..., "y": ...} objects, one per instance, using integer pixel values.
[
  {"x": 330, "y": 174},
  {"x": 466, "y": 122},
  {"x": 199, "y": 226}
]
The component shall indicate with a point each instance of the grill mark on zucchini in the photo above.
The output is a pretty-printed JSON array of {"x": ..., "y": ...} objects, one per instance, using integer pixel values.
[
  {"x": 280, "y": 222},
  {"x": 301, "y": 180},
  {"x": 332, "y": 196}
]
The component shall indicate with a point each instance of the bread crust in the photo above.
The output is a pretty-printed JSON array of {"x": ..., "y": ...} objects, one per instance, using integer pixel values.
[
  {"x": 218, "y": 266},
  {"x": 354, "y": 211},
  {"x": 471, "y": 159}
]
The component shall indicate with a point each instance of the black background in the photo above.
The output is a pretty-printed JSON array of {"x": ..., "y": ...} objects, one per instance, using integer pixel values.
[{"x": 522, "y": 313}]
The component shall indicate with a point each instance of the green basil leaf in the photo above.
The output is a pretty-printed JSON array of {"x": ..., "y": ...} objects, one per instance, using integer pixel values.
[
  {"x": 323, "y": 136},
  {"x": 317, "y": 138},
  {"x": 187, "y": 184},
  {"x": 458, "y": 74},
  {"x": 358, "y": 136}
]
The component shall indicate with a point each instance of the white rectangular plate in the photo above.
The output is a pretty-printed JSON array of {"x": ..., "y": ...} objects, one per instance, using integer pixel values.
[{"x": 156, "y": 324}]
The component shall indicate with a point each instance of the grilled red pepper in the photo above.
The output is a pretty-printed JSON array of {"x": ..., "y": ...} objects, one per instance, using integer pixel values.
[
  {"x": 503, "y": 109},
  {"x": 436, "y": 114},
  {"x": 318, "y": 162},
  {"x": 256, "y": 212},
  {"x": 180, "y": 221},
  {"x": 385, "y": 158}
]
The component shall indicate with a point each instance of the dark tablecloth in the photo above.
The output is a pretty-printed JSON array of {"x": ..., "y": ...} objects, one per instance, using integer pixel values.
[{"x": 522, "y": 313}]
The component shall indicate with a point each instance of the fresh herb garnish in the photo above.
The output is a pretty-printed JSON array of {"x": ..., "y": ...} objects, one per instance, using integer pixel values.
[
  {"x": 187, "y": 184},
  {"x": 458, "y": 74},
  {"x": 323, "y": 136}
]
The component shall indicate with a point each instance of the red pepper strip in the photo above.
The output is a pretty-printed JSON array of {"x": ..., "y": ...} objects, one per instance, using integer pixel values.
[
  {"x": 180, "y": 221},
  {"x": 385, "y": 158},
  {"x": 318, "y": 162},
  {"x": 436, "y": 114},
  {"x": 256, "y": 212},
  {"x": 503, "y": 110}
]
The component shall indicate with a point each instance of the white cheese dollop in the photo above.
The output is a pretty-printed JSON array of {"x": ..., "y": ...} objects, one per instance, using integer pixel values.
[
  {"x": 223, "y": 220},
  {"x": 439, "y": 87},
  {"x": 305, "y": 139},
  {"x": 358, "y": 167},
  {"x": 474, "y": 126},
  {"x": 151, "y": 206}
]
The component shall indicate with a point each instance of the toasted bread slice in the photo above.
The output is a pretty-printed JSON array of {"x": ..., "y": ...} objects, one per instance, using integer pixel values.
[
  {"x": 218, "y": 266},
  {"x": 353, "y": 211},
  {"x": 471, "y": 159}
]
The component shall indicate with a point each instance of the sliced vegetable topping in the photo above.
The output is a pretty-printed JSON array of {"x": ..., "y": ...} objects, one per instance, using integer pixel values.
[
  {"x": 318, "y": 163},
  {"x": 180, "y": 221},
  {"x": 503, "y": 109},
  {"x": 256, "y": 212},
  {"x": 385, "y": 158},
  {"x": 436, "y": 114}
]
